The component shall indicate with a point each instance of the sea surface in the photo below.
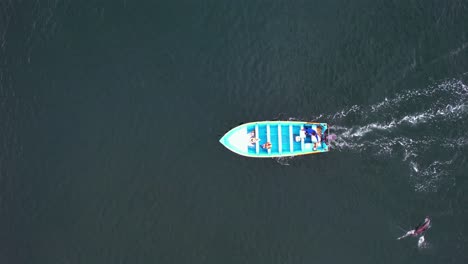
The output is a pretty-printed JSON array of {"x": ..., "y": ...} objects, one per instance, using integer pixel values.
[{"x": 111, "y": 112}]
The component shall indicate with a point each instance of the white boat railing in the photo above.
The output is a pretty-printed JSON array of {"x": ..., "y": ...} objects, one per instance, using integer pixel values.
[
  {"x": 268, "y": 137},
  {"x": 291, "y": 148},
  {"x": 302, "y": 138},
  {"x": 257, "y": 144},
  {"x": 280, "y": 145}
]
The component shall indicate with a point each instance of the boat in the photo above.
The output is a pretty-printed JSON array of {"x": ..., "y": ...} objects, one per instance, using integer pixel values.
[{"x": 271, "y": 139}]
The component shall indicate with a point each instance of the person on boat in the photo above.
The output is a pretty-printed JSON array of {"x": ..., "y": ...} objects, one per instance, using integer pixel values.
[
  {"x": 419, "y": 229},
  {"x": 319, "y": 130},
  {"x": 326, "y": 137},
  {"x": 253, "y": 139},
  {"x": 267, "y": 145},
  {"x": 315, "y": 136}
]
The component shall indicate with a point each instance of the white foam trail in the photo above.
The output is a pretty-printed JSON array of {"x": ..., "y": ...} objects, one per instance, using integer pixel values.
[
  {"x": 429, "y": 178},
  {"x": 414, "y": 166},
  {"x": 345, "y": 113},
  {"x": 440, "y": 107},
  {"x": 283, "y": 160},
  {"x": 454, "y": 112},
  {"x": 451, "y": 91}
]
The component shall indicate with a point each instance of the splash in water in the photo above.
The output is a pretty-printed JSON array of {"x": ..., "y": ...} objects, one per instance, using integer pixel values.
[
  {"x": 436, "y": 127},
  {"x": 283, "y": 160}
]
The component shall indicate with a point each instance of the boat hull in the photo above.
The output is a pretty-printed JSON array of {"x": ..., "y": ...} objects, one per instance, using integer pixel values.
[{"x": 287, "y": 139}]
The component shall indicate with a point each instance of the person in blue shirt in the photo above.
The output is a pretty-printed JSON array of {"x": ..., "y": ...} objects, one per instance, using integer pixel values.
[{"x": 315, "y": 136}]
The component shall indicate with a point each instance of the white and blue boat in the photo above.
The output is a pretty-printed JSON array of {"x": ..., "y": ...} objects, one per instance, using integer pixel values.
[{"x": 282, "y": 139}]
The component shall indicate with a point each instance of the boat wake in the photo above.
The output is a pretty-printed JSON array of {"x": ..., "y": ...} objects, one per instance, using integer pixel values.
[
  {"x": 416, "y": 123},
  {"x": 283, "y": 160},
  {"x": 424, "y": 128}
]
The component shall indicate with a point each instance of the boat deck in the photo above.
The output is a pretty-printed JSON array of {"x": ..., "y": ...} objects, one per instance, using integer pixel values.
[
  {"x": 280, "y": 134},
  {"x": 282, "y": 138}
]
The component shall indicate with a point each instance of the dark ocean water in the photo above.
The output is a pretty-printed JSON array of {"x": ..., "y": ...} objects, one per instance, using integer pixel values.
[{"x": 111, "y": 114}]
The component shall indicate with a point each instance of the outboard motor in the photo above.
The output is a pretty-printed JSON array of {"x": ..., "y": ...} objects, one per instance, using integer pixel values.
[{"x": 329, "y": 137}]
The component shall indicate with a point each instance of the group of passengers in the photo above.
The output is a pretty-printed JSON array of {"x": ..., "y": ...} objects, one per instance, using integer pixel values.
[
  {"x": 315, "y": 136},
  {"x": 254, "y": 140}
]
